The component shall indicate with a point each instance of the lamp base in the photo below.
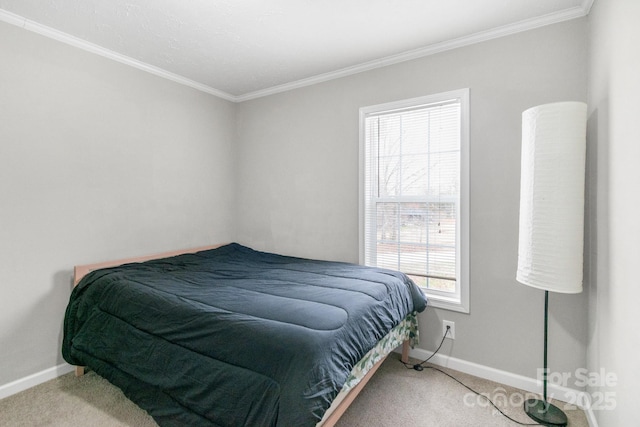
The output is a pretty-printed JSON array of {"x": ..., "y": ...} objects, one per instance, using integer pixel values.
[{"x": 545, "y": 413}]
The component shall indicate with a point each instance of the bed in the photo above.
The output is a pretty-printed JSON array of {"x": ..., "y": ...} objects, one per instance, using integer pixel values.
[{"x": 230, "y": 336}]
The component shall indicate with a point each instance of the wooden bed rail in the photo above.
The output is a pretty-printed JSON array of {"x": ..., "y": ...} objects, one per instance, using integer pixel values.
[
  {"x": 79, "y": 271},
  {"x": 341, "y": 407}
]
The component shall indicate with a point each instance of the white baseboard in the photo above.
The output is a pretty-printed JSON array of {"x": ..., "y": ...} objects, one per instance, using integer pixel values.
[
  {"x": 577, "y": 397},
  {"x": 22, "y": 384},
  {"x": 591, "y": 417}
]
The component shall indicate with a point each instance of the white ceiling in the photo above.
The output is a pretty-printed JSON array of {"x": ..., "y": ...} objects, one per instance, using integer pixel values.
[{"x": 242, "y": 49}]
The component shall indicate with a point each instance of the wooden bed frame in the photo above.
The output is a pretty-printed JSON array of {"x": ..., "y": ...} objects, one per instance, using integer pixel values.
[{"x": 334, "y": 412}]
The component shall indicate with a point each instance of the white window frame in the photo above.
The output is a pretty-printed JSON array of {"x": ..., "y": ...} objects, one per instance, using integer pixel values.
[{"x": 459, "y": 302}]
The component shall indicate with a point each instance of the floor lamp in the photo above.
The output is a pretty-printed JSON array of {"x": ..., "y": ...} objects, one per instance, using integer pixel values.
[{"x": 552, "y": 215}]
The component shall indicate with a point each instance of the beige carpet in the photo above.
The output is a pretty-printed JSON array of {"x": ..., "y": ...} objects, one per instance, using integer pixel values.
[{"x": 395, "y": 397}]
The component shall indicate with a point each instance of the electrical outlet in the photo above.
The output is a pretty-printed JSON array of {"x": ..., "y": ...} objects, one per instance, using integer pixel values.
[{"x": 452, "y": 329}]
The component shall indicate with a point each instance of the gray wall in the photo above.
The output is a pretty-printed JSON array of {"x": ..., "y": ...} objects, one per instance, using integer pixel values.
[
  {"x": 298, "y": 182},
  {"x": 98, "y": 161},
  {"x": 614, "y": 209}
]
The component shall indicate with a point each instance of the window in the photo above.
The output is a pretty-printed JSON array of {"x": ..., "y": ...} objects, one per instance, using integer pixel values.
[{"x": 414, "y": 193}]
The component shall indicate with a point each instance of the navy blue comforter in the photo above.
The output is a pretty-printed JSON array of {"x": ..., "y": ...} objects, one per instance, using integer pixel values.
[{"x": 232, "y": 336}]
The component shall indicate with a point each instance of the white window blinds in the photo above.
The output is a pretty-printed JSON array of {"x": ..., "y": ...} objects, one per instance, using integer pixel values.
[{"x": 412, "y": 191}]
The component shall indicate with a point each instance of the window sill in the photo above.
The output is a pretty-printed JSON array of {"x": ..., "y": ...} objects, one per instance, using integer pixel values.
[{"x": 450, "y": 304}]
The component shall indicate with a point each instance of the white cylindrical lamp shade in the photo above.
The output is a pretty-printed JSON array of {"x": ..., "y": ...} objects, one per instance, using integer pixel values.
[{"x": 552, "y": 197}]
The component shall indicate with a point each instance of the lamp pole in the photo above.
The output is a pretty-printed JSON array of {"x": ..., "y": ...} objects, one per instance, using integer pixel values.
[
  {"x": 542, "y": 411},
  {"x": 546, "y": 338}
]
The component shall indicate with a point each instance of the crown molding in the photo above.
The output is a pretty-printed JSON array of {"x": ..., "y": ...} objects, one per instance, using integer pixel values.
[
  {"x": 60, "y": 36},
  {"x": 525, "y": 25},
  {"x": 587, "y": 5}
]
